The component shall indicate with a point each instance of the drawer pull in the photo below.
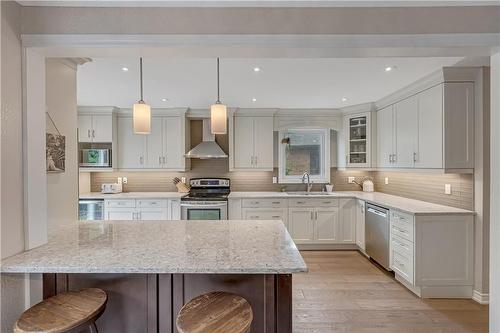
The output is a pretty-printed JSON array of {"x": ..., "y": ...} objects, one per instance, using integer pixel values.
[
  {"x": 300, "y": 202},
  {"x": 400, "y": 230},
  {"x": 276, "y": 217},
  {"x": 327, "y": 202},
  {"x": 254, "y": 217},
  {"x": 401, "y": 244},
  {"x": 276, "y": 202},
  {"x": 255, "y": 202}
]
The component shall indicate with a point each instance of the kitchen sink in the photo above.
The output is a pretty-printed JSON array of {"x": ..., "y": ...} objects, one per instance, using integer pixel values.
[{"x": 302, "y": 193}]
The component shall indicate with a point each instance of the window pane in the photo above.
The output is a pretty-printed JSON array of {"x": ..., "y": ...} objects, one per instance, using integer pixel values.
[{"x": 303, "y": 153}]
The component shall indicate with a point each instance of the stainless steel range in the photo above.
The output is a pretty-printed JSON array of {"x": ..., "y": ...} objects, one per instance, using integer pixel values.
[{"x": 207, "y": 199}]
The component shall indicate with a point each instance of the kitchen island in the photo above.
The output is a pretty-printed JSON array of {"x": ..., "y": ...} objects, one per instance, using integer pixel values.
[{"x": 151, "y": 268}]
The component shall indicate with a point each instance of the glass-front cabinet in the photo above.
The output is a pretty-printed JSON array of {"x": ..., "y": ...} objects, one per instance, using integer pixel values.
[{"x": 358, "y": 143}]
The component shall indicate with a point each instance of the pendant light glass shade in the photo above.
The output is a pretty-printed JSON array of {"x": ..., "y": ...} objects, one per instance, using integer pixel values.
[
  {"x": 142, "y": 118},
  {"x": 141, "y": 113},
  {"x": 218, "y": 117},
  {"x": 218, "y": 112}
]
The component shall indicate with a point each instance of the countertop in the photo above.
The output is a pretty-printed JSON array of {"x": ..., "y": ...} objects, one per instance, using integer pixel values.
[
  {"x": 132, "y": 195},
  {"x": 411, "y": 206},
  {"x": 209, "y": 247}
]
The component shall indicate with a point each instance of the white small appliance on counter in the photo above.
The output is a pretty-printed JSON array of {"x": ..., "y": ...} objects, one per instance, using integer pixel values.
[
  {"x": 368, "y": 185},
  {"x": 111, "y": 188}
]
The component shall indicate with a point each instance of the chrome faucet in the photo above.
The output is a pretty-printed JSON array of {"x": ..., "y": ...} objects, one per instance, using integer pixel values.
[{"x": 309, "y": 182}]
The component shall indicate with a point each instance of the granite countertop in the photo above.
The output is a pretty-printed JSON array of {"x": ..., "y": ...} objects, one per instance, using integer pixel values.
[
  {"x": 411, "y": 206},
  {"x": 132, "y": 195},
  {"x": 209, "y": 247}
]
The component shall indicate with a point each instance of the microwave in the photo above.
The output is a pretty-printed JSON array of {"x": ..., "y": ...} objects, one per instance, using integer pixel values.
[{"x": 95, "y": 158}]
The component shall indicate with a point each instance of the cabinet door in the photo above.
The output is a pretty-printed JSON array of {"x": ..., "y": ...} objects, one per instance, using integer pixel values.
[
  {"x": 326, "y": 225},
  {"x": 263, "y": 142},
  {"x": 152, "y": 214},
  {"x": 131, "y": 147},
  {"x": 173, "y": 147},
  {"x": 84, "y": 128},
  {"x": 360, "y": 224},
  {"x": 385, "y": 136},
  {"x": 244, "y": 142},
  {"x": 347, "y": 221},
  {"x": 120, "y": 214},
  {"x": 429, "y": 152},
  {"x": 154, "y": 141},
  {"x": 102, "y": 128},
  {"x": 406, "y": 132},
  {"x": 301, "y": 225},
  {"x": 358, "y": 131}
]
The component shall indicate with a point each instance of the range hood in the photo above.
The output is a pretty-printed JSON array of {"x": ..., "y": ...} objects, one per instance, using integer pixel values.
[{"x": 208, "y": 148}]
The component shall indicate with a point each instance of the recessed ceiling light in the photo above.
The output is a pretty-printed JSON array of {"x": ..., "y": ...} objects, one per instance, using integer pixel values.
[
  {"x": 256, "y": 69},
  {"x": 164, "y": 99},
  {"x": 125, "y": 69},
  {"x": 390, "y": 68},
  {"x": 344, "y": 99},
  {"x": 254, "y": 99}
]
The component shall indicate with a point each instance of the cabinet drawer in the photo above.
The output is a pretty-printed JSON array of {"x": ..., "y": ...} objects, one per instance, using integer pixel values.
[
  {"x": 151, "y": 203},
  {"x": 263, "y": 203},
  {"x": 402, "y": 225},
  {"x": 402, "y": 246},
  {"x": 120, "y": 203},
  {"x": 264, "y": 214},
  {"x": 402, "y": 265},
  {"x": 324, "y": 202}
]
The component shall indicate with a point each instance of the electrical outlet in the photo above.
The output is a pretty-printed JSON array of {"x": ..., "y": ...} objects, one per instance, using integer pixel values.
[
  {"x": 350, "y": 180},
  {"x": 183, "y": 179},
  {"x": 386, "y": 181},
  {"x": 275, "y": 180},
  {"x": 447, "y": 188},
  {"x": 125, "y": 180},
  {"x": 120, "y": 180}
]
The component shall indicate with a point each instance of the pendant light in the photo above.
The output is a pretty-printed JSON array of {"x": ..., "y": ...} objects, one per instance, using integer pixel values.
[
  {"x": 218, "y": 112},
  {"x": 142, "y": 113}
]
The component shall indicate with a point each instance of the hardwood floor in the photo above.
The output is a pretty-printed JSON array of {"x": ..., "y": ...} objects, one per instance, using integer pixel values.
[{"x": 345, "y": 292}]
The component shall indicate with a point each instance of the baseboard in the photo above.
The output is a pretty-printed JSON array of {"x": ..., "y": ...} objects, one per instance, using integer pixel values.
[
  {"x": 319, "y": 247},
  {"x": 480, "y": 297}
]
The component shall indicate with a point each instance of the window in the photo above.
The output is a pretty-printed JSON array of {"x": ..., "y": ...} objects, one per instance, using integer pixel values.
[{"x": 304, "y": 150}]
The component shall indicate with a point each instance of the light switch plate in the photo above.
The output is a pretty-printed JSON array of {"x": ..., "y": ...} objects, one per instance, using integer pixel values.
[
  {"x": 275, "y": 180},
  {"x": 350, "y": 180},
  {"x": 386, "y": 180},
  {"x": 447, "y": 188},
  {"x": 125, "y": 180},
  {"x": 120, "y": 180},
  {"x": 183, "y": 179}
]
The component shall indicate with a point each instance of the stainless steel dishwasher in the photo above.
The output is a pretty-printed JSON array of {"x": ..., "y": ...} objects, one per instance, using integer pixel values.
[{"x": 377, "y": 231}]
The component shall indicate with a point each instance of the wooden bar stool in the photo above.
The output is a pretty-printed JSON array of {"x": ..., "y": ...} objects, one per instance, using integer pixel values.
[
  {"x": 219, "y": 312},
  {"x": 67, "y": 312}
]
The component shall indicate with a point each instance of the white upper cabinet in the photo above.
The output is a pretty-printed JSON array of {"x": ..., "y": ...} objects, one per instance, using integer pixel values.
[
  {"x": 163, "y": 148},
  {"x": 433, "y": 129},
  {"x": 131, "y": 147},
  {"x": 385, "y": 137},
  {"x": 358, "y": 128},
  {"x": 406, "y": 133},
  {"x": 95, "y": 128},
  {"x": 253, "y": 143},
  {"x": 429, "y": 149}
]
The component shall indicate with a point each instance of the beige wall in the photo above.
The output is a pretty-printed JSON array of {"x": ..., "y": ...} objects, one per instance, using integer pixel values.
[
  {"x": 495, "y": 196},
  {"x": 59, "y": 20},
  {"x": 12, "y": 236},
  {"x": 62, "y": 188}
]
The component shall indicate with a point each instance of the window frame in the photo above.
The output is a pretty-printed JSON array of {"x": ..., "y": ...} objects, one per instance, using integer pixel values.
[{"x": 324, "y": 177}]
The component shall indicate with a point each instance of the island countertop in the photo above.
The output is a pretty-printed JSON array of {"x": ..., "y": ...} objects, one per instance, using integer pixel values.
[{"x": 208, "y": 247}]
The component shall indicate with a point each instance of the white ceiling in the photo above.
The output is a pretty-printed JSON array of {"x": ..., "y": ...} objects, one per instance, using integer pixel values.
[
  {"x": 256, "y": 3},
  {"x": 281, "y": 83}
]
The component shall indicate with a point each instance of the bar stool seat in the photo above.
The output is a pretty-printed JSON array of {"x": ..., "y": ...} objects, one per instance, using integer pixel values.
[
  {"x": 219, "y": 312},
  {"x": 64, "y": 312}
]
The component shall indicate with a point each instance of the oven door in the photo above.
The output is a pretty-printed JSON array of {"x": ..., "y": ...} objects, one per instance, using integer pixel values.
[{"x": 204, "y": 210}]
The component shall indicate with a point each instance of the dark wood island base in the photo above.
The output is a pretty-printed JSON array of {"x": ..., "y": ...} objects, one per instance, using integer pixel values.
[{"x": 150, "y": 302}]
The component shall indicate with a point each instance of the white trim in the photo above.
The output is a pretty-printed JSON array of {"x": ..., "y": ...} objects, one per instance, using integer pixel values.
[{"x": 480, "y": 297}]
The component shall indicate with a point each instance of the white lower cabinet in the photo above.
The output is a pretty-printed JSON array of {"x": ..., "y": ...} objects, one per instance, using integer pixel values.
[
  {"x": 325, "y": 225},
  {"x": 300, "y": 222},
  {"x": 140, "y": 209},
  {"x": 432, "y": 255},
  {"x": 360, "y": 224},
  {"x": 347, "y": 220}
]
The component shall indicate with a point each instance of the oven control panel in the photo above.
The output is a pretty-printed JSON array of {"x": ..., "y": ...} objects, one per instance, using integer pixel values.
[{"x": 209, "y": 182}]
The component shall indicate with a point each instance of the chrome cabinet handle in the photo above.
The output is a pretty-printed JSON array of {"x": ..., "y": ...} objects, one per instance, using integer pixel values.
[
  {"x": 276, "y": 202},
  {"x": 141, "y": 160},
  {"x": 276, "y": 217},
  {"x": 93, "y": 133},
  {"x": 164, "y": 159},
  {"x": 315, "y": 215},
  {"x": 88, "y": 133},
  {"x": 414, "y": 157},
  {"x": 300, "y": 202},
  {"x": 312, "y": 217}
]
